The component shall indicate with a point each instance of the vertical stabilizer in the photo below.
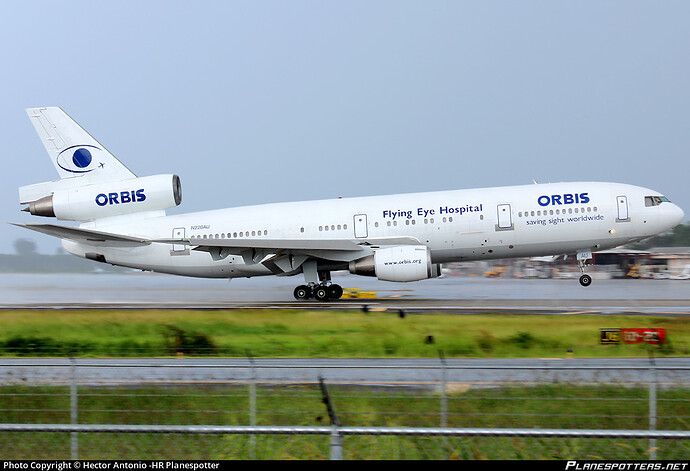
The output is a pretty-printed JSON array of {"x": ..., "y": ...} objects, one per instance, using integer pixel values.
[{"x": 72, "y": 150}]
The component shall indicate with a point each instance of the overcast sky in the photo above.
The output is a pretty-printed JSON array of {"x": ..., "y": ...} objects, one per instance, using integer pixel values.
[{"x": 262, "y": 101}]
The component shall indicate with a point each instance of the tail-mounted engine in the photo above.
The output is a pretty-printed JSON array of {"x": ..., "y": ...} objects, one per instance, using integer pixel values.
[
  {"x": 400, "y": 263},
  {"x": 102, "y": 200}
]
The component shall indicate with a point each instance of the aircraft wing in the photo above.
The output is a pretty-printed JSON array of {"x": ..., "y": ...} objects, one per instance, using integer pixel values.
[
  {"x": 291, "y": 244},
  {"x": 281, "y": 256},
  {"x": 90, "y": 236},
  {"x": 284, "y": 256}
]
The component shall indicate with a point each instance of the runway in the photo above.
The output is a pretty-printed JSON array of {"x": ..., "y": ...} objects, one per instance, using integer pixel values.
[
  {"x": 457, "y": 295},
  {"x": 408, "y": 306}
]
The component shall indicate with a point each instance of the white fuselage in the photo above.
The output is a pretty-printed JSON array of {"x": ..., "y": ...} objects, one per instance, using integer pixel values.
[{"x": 476, "y": 224}]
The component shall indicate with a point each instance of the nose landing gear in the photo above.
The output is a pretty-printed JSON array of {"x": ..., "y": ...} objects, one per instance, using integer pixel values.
[
  {"x": 585, "y": 280},
  {"x": 582, "y": 257}
]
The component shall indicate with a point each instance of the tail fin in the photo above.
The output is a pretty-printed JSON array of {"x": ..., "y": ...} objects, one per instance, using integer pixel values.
[{"x": 73, "y": 151}]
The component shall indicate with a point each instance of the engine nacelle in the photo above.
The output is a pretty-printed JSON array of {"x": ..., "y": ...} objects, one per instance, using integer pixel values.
[
  {"x": 103, "y": 200},
  {"x": 400, "y": 263}
]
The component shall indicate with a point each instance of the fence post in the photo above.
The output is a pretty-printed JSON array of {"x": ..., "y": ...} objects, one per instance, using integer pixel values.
[
  {"x": 444, "y": 392},
  {"x": 652, "y": 404},
  {"x": 74, "y": 411},
  {"x": 336, "y": 439},
  {"x": 252, "y": 406}
]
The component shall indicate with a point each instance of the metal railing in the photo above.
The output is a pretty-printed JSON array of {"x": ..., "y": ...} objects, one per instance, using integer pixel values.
[
  {"x": 79, "y": 378},
  {"x": 337, "y": 432}
]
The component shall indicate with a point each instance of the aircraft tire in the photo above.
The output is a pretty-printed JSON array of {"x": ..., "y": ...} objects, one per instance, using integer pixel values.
[
  {"x": 321, "y": 293},
  {"x": 335, "y": 292},
  {"x": 585, "y": 280},
  {"x": 302, "y": 292}
]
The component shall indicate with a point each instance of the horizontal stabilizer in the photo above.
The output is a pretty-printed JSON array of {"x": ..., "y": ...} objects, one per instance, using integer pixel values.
[{"x": 87, "y": 235}]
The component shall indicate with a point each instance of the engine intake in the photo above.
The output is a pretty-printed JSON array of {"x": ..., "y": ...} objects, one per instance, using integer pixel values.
[{"x": 399, "y": 263}]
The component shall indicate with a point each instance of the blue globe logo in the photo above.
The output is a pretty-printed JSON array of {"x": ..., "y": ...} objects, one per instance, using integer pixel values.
[{"x": 81, "y": 158}]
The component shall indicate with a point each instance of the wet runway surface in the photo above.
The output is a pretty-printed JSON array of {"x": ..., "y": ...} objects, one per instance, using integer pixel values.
[{"x": 452, "y": 293}]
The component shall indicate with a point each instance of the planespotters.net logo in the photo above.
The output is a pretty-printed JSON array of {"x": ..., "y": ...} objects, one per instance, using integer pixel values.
[{"x": 626, "y": 465}]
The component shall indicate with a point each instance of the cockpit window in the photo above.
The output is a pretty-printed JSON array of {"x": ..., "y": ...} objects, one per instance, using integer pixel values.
[{"x": 655, "y": 200}]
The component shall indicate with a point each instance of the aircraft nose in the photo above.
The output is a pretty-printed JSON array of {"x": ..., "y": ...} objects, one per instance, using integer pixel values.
[
  {"x": 681, "y": 214},
  {"x": 675, "y": 215}
]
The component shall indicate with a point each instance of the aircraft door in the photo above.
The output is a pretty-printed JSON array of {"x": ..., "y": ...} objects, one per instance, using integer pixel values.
[
  {"x": 178, "y": 233},
  {"x": 361, "y": 227},
  {"x": 505, "y": 218},
  {"x": 623, "y": 210}
]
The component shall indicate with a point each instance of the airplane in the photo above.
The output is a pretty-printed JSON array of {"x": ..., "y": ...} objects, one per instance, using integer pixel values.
[{"x": 122, "y": 221}]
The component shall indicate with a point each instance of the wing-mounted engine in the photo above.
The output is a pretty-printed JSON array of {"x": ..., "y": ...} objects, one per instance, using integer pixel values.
[
  {"x": 399, "y": 263},
  {"x": 68, "y": 200}
]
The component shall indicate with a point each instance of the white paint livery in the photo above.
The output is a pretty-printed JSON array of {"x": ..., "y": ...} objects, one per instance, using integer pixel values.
[{"x": 395, "y": 238}]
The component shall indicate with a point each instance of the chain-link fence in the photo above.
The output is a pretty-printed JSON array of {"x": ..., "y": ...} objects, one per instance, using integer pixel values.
[{"x": 352, "y": 409}]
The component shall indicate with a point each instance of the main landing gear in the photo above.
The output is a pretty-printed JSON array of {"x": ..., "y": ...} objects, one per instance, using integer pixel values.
[
  {"x": 318, "y": 284},
  {"x": 320, "y": 292}
]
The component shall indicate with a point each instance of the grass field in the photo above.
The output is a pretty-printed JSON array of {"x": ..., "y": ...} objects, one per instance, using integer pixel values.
[
  {"x": 333, "y": 334},
  {"x": 321, "y": 334},
  {"x": 546, "y": 406}
]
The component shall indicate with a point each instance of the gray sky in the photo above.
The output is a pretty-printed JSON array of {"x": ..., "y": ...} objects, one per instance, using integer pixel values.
[{"x": 266, "y": 101}]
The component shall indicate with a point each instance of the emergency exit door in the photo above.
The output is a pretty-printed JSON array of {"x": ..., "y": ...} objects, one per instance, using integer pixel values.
[
  {"x": 361, "y": 227},
  {"x": 505, "y": 218},
  {"x": 623, "y": 210},
  {"x": 178, "y": 233}
]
